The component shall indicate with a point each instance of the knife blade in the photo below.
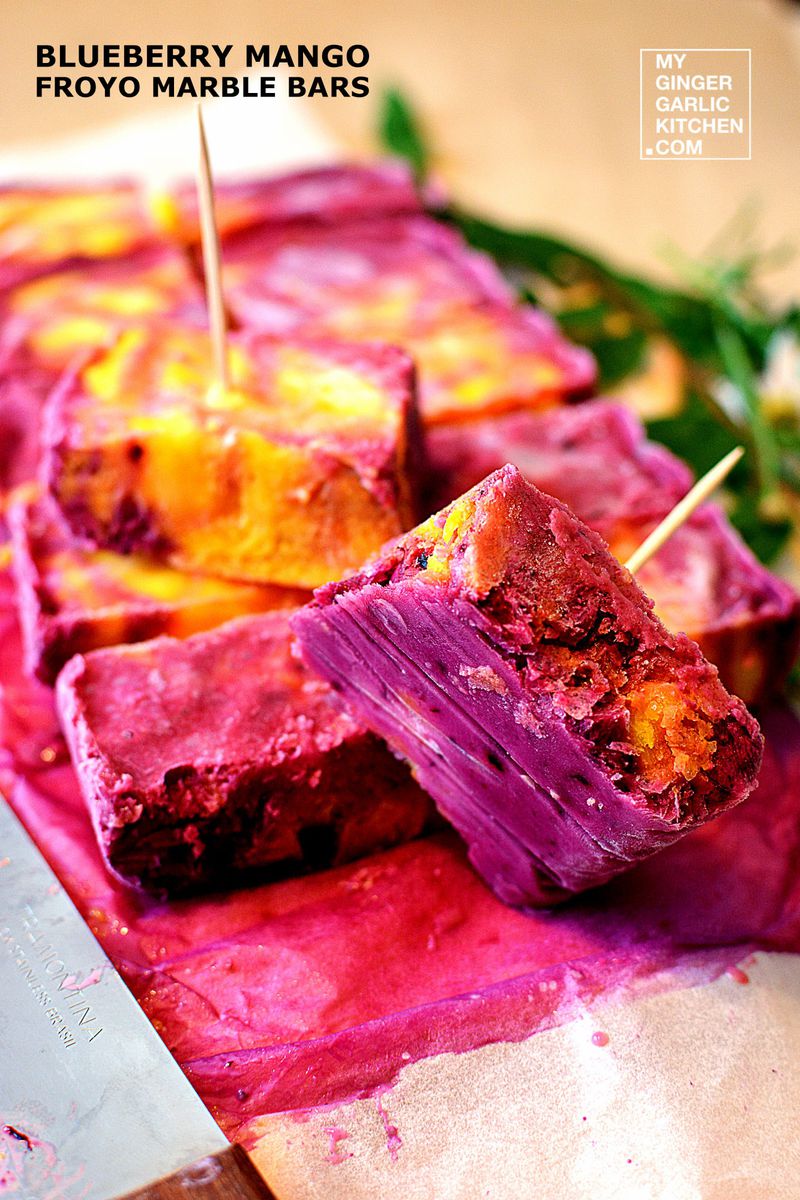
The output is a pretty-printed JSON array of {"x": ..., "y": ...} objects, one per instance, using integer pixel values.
[{"x": 92, "y": 1104}]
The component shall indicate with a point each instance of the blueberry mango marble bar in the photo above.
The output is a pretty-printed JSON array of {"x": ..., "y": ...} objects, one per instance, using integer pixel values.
[
  {"x": 596, "y": 458},
  {"x": 207, "y": 759},
  {"x": 72, "y": 598},
  {"x": 44, "y": 228},
  {"x": 389, "y": 270},
  {"x": 47, "y": 321},
  {"x": 295, "y": 473},
  {"x": 413, "y": 282},
  {"x": 326, "y": 195},
  {"x": 520, "y": 669}
]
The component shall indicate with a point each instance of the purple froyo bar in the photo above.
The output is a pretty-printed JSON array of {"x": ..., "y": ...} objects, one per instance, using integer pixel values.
[
  {"x": 294, "y": 474},
  {"x": 19, "y": 431},
  {"x": 325, "y": 195},
  {"x": 45, "y": 227},
  {"x": 207, "y": 759},
  {"x": 555, "y": 721},
  {"x": 392, "y": 267},
  {"x": 45, "y": 323},
  {"x": 410, "y": 281},
  {"x": 596, "y": 459},
  {"x": 72, "y": 598}
]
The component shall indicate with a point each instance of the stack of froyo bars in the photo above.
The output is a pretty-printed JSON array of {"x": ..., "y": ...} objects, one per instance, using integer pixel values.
[{"x": 495, "y": 663}]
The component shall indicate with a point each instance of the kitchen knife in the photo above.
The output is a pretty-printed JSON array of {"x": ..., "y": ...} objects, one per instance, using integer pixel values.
[{"x": 92, "y": 1104}]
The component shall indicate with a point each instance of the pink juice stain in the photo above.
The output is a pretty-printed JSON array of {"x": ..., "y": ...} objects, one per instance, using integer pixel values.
[
  {"x": 738, "y": 975},
  {"x": 30, "y": 1166},
  {"x": 393, "y": 1139},
  {"x": 600, "y": 1039},
  {"x": 73, "y": 984},
  {"x": 336, "y": 1134}
]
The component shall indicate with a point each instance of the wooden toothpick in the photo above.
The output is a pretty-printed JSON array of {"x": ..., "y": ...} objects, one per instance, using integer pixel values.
[
  {"x": 683, "y": 510},
  {"x": 212, "y": 258}
]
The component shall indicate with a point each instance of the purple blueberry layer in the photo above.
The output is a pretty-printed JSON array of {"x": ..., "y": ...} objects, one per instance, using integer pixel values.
[
  {"x": 594, "y": 457},
  {"x": 555, "y": 721},
  {"x": 281, "y": 278},
  {"x": 329, "y": 195},
  {"x": 206, "y": 759},
  {"x": 72, "y": 599}
]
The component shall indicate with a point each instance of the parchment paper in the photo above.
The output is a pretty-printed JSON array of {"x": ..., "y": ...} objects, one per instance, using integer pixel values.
[{"x": 696, "y": 1095}]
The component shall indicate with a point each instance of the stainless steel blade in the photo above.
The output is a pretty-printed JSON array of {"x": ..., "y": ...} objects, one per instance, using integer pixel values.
[{"x": 92, "y": 1104}]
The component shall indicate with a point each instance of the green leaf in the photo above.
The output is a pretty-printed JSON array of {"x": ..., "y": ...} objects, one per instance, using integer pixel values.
[
  {"x": 739, "y": 369},
  {"x": 697, "y": 437},
  {"x": 619, "y": 358},
  {"x": 793, "y": 684},
  {"x": 542, "y": 253},
  {"x": 618, "y": 355},
  {"x": 400, "y": 132},
  {"x": 765, "y": 537}
]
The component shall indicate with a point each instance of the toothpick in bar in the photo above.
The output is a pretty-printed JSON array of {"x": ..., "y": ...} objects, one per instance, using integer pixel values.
[
  {"x": 683, "y": 510},
  {"x": 212, "y": 258}
]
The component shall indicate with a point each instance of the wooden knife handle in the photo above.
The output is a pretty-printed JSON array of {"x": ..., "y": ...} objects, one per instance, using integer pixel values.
[{"x": 229, "y": 1175}]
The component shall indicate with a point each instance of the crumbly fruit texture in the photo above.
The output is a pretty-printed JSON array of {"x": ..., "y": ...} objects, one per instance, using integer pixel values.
[
  {"x": 603, "y": 679},
  {"x": 298, "y": 469},
  {"x": 557, "y": 723}
]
